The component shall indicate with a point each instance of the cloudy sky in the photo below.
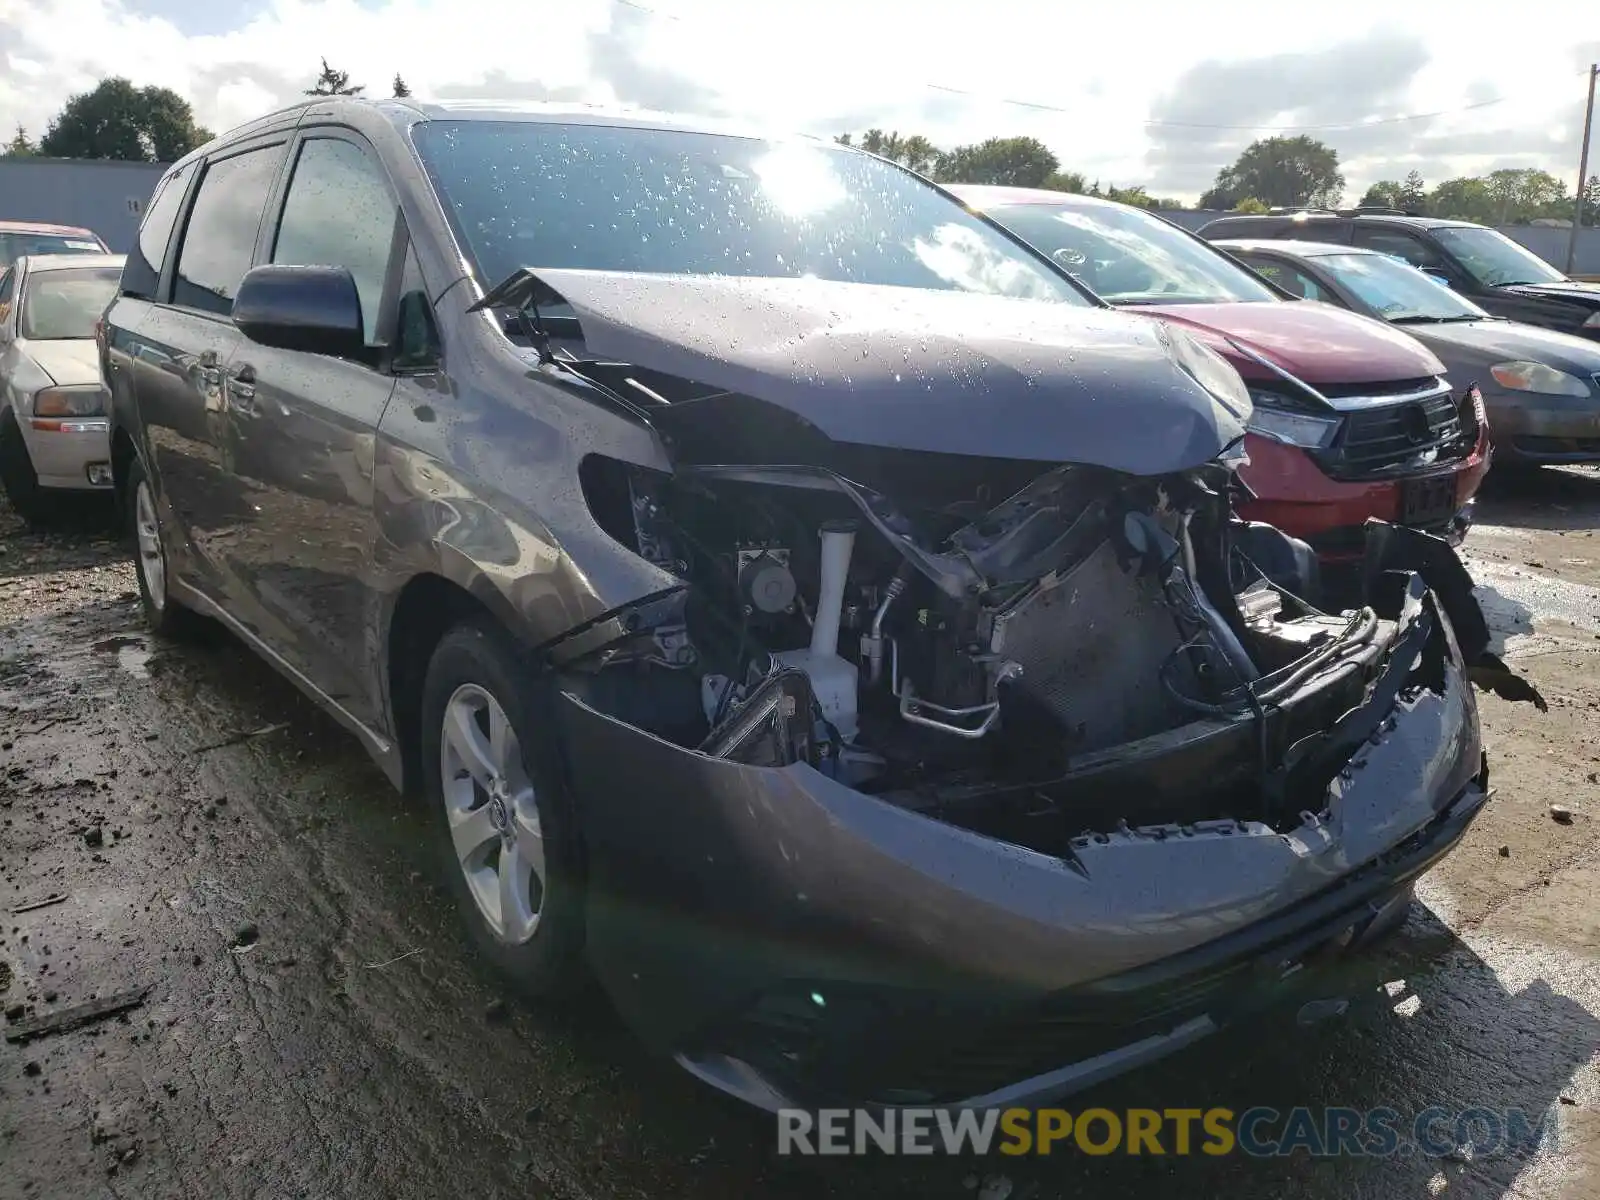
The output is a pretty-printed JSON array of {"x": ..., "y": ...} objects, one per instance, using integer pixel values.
[{"x": 1160, "y": 93}]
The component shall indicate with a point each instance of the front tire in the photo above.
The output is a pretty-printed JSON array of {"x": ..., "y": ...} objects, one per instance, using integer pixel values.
[
  {"x": 17, "y": 475},
  {"x": 162, "y": 613},
  {"x": 506, "y": 833}
]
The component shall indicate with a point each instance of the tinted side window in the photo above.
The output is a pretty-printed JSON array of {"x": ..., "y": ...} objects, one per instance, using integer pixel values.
[
  {"x": 1401, "y": 245},
  {"x": 339, "y": 213},
  {"x": 8, "y": 282},
  {"x": 220, "y": 240},
  {"x": 141, "y": 272}
]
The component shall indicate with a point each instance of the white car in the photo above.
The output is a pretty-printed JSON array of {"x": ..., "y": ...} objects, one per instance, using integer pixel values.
[{"x": 54, "y": 426}]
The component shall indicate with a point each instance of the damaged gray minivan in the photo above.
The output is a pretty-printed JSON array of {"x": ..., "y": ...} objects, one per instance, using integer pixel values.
[{"x": 804, "y": 607}]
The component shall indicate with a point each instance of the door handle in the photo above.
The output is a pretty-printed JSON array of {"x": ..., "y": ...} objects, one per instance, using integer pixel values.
[
  {"x": 210, "y": 367},
  {"x": 242, "y": 382},
  {"x": 241, "y": 387}
]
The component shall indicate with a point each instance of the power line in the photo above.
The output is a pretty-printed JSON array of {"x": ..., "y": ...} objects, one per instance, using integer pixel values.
[{"x": 1158, "y": 124}]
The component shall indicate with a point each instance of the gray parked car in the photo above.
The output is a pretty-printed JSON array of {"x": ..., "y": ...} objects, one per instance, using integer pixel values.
[
  {"x": 1540, "y": 388},
  {"x": 54, "y": 427},
  {"x": 800, "y": 603}
]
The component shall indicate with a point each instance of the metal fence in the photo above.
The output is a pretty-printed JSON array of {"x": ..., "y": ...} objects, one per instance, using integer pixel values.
[
  {"x": 1549, "y": 244},
  {"x": 105, "y": 196}
]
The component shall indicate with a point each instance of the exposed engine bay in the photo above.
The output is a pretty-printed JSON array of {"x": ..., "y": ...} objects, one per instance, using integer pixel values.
[
  {"x": 1019, "y": 667},
  {"x": 935, "y": 560}
]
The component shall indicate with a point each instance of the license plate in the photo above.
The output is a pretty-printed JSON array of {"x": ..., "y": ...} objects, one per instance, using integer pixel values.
[{"x": 1428, "y": 501}]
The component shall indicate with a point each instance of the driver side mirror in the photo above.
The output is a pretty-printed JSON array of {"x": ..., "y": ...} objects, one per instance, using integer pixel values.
[
  {"x": 1438, "y": 276},
  {"x": 316, "y": 310}
]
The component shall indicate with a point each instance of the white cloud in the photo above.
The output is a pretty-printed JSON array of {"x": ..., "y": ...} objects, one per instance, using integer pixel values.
[{"x": 826, "y": 65}]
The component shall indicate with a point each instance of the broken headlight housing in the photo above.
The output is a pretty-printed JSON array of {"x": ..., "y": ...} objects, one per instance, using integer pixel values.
[{"x": 1282, "y": 419}]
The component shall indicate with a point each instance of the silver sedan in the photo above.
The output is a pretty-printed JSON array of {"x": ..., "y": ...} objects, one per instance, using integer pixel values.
[{"x": 54, "y": 430}]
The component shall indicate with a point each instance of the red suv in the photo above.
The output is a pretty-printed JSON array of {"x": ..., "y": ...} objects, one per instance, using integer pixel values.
[{"x": 1353, "y": 419}]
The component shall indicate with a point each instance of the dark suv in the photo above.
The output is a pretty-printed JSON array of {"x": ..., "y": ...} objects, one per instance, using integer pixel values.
[
  {"x": 1501, "y": 275},
  {"x": 795, "y": 597}
]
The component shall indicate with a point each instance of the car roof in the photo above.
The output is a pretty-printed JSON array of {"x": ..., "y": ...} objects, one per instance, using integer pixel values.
[
  {"x": 988, "y": 195},
  {"x": 45, "y": 227},
  {"x": 407, "y": 112},
  {"x": 62, "y": 262},
  {"x": 1289, "y": 220},
  {"x": 1290, "y": 246}
]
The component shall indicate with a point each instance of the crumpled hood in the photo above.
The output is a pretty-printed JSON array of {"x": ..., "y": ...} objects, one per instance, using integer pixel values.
[
  {"x": 914, "y": 369},
  {"x": 67, "y": 362},
  {"x": 1311, "y": 340}
]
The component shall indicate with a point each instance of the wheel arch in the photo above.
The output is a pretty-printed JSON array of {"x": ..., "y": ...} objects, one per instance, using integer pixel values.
[{"x": 426, "y": 607}]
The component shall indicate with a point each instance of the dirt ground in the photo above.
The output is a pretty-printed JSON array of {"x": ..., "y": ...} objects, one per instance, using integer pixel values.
[{"x": 177, "y": 822}]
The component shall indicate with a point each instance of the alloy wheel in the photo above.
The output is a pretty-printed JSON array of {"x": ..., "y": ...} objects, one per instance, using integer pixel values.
[
  {"x": 152, "y": 558},
  {"x": 493, "y": 813}
]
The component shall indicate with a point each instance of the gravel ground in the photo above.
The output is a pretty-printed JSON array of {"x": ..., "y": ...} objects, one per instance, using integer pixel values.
[{"x": 177, "y": 822}]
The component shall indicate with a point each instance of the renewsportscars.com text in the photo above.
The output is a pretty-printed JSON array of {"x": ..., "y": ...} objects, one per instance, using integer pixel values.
[{"x": 1258, "y": 1132}]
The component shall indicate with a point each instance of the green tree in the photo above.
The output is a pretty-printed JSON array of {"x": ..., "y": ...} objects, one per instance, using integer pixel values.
[
  {"x": 1249, "y": 205},
  {"x": 1009, "y": 161},
  {"x": 1413, "y": 192},
  {"x": 118, "y": 120},
  {"x": 1286, "y": 171},
  {"x": 1464, "y": 199},
  {"x": 1135, "y": 196},
  {"x": 919, "y": 154},
  {"x": 1591, "y": 202},
  {"x": 1383, "y": 194},
  {"x": 401, "y": 89},
  {"x": 1520, "y": 195},
  {"x": 334, "y": 83},
  {"x": 19, "y": 146},
  {"x": 914, "y": 151},
  {"x": 1064, "y": 181}
]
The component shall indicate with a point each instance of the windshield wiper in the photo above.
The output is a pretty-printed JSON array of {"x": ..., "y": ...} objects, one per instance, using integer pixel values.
[
  {"x": 1425, "y": 319},
  {"x": 1132, "y": 301}
]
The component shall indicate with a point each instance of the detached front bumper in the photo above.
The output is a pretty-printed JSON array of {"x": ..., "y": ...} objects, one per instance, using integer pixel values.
[
  {"x": 793, "y": 941},
  {"x": 1544, "y": 429}
]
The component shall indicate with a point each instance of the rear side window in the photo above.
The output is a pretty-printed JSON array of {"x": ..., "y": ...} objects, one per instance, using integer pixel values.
[
  {"x": 1296, "y": 283},
  {"x": 1398, "y": 245},
  {"x": 142, "y": 270},
  {"x": 8, "y": 282},
  {"x": 220, "y": 240},
  {"x": 339, "y": 213}
]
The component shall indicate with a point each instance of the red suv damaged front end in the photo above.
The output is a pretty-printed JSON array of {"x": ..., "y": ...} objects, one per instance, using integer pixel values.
[{"x": 1352, "y": 420}]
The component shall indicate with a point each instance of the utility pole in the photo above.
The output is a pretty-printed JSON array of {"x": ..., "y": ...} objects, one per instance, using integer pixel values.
[{"x": 1583, "y": 172}]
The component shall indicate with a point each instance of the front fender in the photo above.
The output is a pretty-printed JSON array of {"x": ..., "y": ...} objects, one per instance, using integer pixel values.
[{"x": 477, "y": 481}]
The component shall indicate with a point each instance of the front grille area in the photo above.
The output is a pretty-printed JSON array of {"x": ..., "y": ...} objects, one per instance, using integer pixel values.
[{"x": 1377, "y": 441}]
